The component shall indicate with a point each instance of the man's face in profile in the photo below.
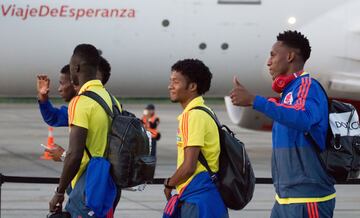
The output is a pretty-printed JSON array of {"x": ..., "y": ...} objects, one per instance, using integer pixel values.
[
  {"x": 66, "y": 89},
  {"x": 277, "y": 61}
]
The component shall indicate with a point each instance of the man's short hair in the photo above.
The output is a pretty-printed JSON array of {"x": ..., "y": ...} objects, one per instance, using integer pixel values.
[
  {"x": 150, "y": 107},
  {"x": 295, "y": 39},
  {"x": 195, "y": 71},
  {"x": 87, "y": 54},
  {"x": 65, "y": 69},
  {"x": 104, "y": 68}
]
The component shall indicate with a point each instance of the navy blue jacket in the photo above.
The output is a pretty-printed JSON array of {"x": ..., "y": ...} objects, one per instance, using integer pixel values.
[
  {"x": 296, "y": 168},
  {"x": 54, "y": 116}
]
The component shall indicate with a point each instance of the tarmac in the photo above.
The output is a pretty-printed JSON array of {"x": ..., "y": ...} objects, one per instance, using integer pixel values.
[{"x": 22, "y": 131}]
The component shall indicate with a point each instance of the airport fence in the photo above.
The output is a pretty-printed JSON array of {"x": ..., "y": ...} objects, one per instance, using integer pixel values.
[{"x": 155, "y": 181}]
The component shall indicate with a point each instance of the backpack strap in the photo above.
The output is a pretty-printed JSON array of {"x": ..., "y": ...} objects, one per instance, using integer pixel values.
[
  {"x": 211, "y": 114},
  {"x": 105, "y": 106},
  {"x": 88, "y": 152},
  {"x": 203, "y": 161},
  {"x": 329, "y": 106},
  {"x": 307, "y": 134},
  {"x": 328, "y": 136},
  {"x": 202, "y": 158},
  {"x": 94, "y": 96},
  {"x": 116, "y": 109}
]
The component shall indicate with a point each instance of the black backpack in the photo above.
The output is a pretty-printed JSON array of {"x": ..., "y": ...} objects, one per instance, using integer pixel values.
[
  {"x": 235, "y": 179},
  {"x": 341, "y": 157},
  {"x": 128, "y": 148}
]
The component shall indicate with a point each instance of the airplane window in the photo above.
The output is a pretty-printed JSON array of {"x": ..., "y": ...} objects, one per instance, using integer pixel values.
[
  {"x": 224, "y": 46},
  {"x": 239, "y": 2},
  {"x": 202, "y": 46},
  {"x": 165, "y": 23}
]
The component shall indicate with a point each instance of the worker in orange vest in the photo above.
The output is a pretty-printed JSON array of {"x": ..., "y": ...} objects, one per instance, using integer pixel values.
[{"x": 151, "y": 122}]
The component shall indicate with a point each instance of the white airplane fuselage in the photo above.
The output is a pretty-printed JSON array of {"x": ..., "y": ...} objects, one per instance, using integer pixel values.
[{"x": 142, "y": 39}]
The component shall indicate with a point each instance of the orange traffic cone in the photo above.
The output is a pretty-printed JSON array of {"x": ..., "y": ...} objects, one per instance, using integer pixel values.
[{"x": 50, "y": 144}]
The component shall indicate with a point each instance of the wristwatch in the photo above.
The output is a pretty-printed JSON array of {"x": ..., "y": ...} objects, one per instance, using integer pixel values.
[
  {"x": 58, "y": 193},
  {"x": 166, "y": 184}
]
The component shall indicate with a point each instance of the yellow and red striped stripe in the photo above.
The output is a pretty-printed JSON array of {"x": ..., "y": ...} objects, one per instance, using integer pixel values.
[
  {"x": 301, "y": 97},
  {"x": 313, "y": 210},
  {"x": 72, "y": 107},
  {"x": 184, "y": 128}
]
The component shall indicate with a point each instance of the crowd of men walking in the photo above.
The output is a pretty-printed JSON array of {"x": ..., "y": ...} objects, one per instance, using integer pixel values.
[{"x": 302, "y": 186}]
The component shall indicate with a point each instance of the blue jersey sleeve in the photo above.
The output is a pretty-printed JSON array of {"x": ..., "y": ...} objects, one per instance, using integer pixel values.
[
  {"x": 302, "y": 114},
  {"x": 55, "y": 117}
]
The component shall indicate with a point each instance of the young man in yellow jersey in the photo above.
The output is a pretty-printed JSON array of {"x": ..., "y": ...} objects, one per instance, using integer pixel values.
[
  {"x": 89, "y": 125},
  {"x": 197, "y": 132}
]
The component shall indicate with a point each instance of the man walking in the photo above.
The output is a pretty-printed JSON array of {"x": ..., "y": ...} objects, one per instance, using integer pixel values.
[
  {"x": 197, "y": 134},
  {"x": 58, "y": 117},
  {"x": 89, "y": 125},
  {"x": 303, "y": 188}
]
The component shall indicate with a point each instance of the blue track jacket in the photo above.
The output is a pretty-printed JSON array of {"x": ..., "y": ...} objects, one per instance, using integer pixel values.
[
  {"x": 203, "y": 193},
  {"x": 296, "y": 169},
  {"x": 54, "y": 117}
]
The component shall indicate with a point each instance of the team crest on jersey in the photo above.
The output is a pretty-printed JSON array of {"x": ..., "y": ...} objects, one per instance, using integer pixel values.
[{"x": 288, "y": 99}]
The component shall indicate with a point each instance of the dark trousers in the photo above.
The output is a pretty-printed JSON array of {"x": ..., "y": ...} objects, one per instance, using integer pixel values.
[
  {"x": 305, "y": 210},
  {"x": 153, "y": 147}
]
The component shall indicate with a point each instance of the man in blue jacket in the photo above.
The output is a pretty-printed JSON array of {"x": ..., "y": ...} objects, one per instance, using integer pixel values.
[
  {"x": 55, "y": 116},
  {"x": 302, "y": 186},
  {"x": 58, "y": 117}
]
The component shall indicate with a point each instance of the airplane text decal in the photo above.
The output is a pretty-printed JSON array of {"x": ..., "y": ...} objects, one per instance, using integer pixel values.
[{"x": 64, "y": 11}]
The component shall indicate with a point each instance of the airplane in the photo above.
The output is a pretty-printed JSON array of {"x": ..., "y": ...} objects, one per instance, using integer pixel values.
[{"x": 142, "y": 40}]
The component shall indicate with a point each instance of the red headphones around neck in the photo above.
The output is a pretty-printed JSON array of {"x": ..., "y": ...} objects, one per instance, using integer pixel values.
[{"x": 281, "y": 81}]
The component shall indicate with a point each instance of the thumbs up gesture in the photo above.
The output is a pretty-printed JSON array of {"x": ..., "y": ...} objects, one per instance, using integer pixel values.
[{"x": 239, "y": 95}]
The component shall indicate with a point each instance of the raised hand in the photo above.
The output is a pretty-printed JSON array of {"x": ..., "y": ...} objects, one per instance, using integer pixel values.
[
  {"x": 43, "y": 86},
  {"x": 239, "y": 95}
]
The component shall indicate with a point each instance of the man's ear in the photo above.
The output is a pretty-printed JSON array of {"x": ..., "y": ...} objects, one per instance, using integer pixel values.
[
  {"x": 291, "y": 56},
  {"x": 193, "y": 87},
  {"x": 77, "y": 68}
]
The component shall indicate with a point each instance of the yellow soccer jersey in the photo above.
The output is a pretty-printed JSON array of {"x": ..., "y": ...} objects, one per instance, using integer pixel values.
[
  {"x": 197, "y": 128},
  {"x": 87, "y": 113}
]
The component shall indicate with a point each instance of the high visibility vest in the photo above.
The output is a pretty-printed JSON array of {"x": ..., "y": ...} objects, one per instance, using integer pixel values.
[{"x": 147, "y": 122}]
